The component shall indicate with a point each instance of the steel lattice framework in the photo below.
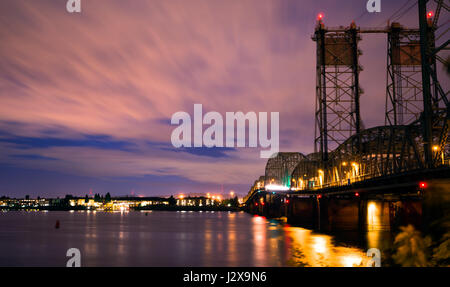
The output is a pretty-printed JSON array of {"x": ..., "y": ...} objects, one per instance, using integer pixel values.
[
  {"x": 375, "y": 152},
  {"x": 435, "y": 117},
  {"x": 257, "y": 185},
  {"x": 280, "y": 167},
  {"x": 416, "y": 135},
  {"x": 305, "y": 174},
  {"x": 404, "y": 102},
  {"x": 381, "y": 151},
  {"x": 337, "y": 87}
]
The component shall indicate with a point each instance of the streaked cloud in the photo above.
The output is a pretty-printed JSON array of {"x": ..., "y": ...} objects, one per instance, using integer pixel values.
[{"x": 91, "y": 91}]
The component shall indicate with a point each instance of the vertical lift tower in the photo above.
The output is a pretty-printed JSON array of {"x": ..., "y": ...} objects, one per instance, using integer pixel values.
[
  {"x": 337, "y": 87},
  {"x": 413, "y": 94}
]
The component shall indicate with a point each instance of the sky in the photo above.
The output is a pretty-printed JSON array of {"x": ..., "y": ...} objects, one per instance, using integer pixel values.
[{"x": 86, "y": 98}]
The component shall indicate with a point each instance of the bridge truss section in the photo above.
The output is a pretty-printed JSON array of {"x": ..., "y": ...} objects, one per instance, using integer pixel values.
[
  {"x": 375, "y": 152},
  {"x": 279, "y": 168}
]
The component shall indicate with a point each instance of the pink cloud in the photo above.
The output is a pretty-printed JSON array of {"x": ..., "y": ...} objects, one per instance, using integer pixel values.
[{"x": 121, "y": 68}]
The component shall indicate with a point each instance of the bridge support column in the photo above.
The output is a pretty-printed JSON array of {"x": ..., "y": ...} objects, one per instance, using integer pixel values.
[
  {"x": 405, "y": 212},
  {"x": 342, "y": 214},
  {"x": 302, "y": 211}
]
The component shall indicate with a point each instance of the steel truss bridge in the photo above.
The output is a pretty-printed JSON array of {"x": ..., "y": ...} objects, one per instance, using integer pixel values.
[{"x": 412, "y": 145}]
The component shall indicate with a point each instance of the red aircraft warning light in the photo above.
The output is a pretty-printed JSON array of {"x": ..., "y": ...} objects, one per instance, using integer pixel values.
[
  {"x": 320, "y": 16},
  {"x": 423, "y": 184},
  {"x": 430, "y": 14}
]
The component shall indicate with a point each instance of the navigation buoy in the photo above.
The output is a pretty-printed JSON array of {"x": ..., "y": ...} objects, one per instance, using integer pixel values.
[{"x": 57, "y": 224}]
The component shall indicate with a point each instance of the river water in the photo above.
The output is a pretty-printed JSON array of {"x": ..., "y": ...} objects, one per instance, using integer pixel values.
[{"x": 161, "y": 238}]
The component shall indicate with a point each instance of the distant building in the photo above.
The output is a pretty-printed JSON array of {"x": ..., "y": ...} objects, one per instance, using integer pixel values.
[
  {"x": 196, "y": 201},
  {"x": 118, "y": 204},
  {"x": 24, "y": 203}
]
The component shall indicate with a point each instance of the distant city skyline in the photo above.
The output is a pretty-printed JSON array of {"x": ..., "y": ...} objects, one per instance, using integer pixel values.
[{"x": 87, "y": 98}]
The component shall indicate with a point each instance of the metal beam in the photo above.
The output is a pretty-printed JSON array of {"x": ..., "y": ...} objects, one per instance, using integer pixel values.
[
  {"x": 441, "y": 47},
  {"x": 426, "y": 88}
]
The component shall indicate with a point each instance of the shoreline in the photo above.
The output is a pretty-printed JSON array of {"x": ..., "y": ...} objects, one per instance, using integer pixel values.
[{"x": 138, "y": 209}]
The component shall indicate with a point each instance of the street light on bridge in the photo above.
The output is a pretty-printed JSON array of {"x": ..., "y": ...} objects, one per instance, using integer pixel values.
[
  {"x": 321, "y": 175},
  {"x": 436, "y": 149}
]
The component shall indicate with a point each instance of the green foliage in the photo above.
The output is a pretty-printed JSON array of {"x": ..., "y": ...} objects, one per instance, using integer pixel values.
[
  {"x": 441, "y": 254},
  {"x": 233, "y": 202},
  {"x": 414, "y": 250},
  {"x": 172, "y": 201},
  {"x": 411, "y": 248},
  {"x": 108, "y": 197}
]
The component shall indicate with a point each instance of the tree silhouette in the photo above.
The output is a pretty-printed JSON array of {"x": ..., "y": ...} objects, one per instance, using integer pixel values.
[
  {"x": 172, "y": 201},
  {"x": 411, "y": 248}
]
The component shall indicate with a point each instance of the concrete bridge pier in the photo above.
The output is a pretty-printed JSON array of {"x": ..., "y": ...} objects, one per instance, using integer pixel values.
[
  {"x": 344, "y": 212},
  {"x": 268, "y": 204},
  {"x": 341, "y": 214},
  {"x": 353, "y": 213},
  {"x": 302, "y": 211}
]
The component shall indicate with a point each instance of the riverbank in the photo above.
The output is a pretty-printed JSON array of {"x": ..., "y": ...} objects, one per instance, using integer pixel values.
[{"x": 147, "y": 208}]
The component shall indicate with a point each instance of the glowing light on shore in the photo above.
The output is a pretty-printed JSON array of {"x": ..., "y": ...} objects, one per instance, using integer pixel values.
[
  {"x": 373, "y": 216},
  {"x": 351, "y": 261},
  {"x": 276, "y": 187},
  {"x": 320, "y": 244}
]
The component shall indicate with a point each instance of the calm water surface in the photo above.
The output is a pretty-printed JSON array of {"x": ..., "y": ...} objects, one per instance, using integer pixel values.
[{"x": 161, "y": 238}]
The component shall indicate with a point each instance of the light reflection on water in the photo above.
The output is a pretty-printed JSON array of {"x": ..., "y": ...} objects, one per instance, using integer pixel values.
[
  {"x": 318, "y": 250},
  {"x": 168, "y": 239}
]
